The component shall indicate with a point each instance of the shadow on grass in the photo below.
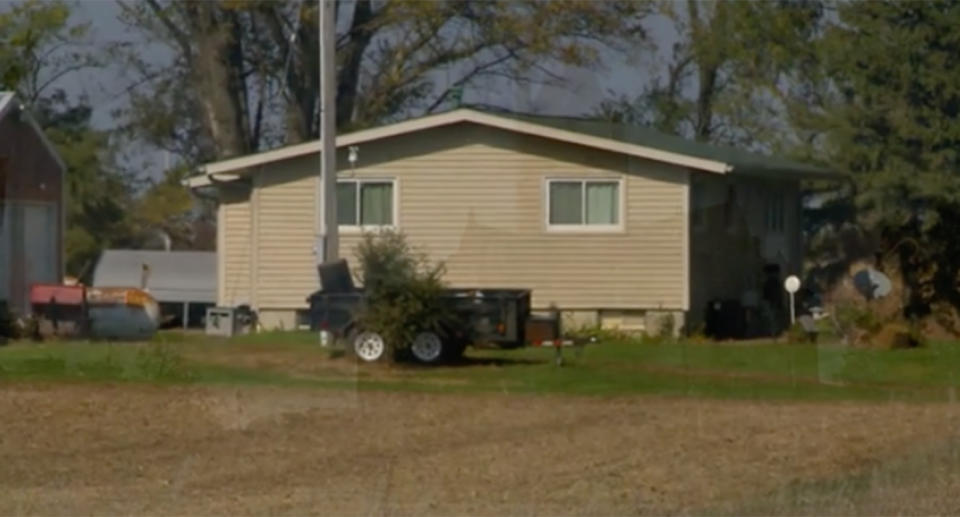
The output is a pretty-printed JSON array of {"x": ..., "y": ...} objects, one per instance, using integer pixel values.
[
  {"x": 466, "y": 362},
  {"x": 462, "y": 363}
]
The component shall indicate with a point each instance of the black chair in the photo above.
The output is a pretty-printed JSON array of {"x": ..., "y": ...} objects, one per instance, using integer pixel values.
[{"x": 335, "y": 277}]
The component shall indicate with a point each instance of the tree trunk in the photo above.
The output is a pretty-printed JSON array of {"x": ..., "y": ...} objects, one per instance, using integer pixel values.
[
  {"x": 218, "y": 97},
  {"x": 348, "y": 79}
]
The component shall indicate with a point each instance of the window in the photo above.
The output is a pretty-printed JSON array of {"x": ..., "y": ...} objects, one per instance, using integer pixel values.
[
  {"x": 583, "y": 204},
  {"x": 365, "y": 203},
  {"x": 775, "y": 212}
]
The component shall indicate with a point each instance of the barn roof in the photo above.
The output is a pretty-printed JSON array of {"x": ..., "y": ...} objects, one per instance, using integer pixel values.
[
  {"x": 9, "y": 105},
  {"x": 175, "y": 276}
]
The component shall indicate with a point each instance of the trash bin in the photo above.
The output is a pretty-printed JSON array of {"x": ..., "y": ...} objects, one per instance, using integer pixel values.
[{"x": 725, "y": 319}]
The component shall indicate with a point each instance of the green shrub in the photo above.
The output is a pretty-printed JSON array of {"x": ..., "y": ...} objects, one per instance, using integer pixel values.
[
  {"x": 797, "y": 334},
  {"x": 666, "y": 327},
  {"x": 853, "y": 316},
  {"x": 7, "y": 329},
  {"x": 604, "y": 335},
  {"x": 696, "y": 332},
  {"x": 403, "y": 290},
  {"x": 916, "y": 336}
]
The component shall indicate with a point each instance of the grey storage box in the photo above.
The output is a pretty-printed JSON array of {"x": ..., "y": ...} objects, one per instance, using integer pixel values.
[{"x": 221, "y": 321}]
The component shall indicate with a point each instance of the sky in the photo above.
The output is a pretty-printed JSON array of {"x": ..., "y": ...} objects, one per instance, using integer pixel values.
[
  {"x": 583, "y": 90},
  {"x": 105, "y": 87}
]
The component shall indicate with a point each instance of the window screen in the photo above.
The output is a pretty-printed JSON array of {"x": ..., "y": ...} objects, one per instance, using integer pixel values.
[
  {"x": 365, "y": 203},
  {"x": 584, "y": 202}
]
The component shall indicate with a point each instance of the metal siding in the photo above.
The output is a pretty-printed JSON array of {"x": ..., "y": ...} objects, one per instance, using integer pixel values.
[
  {"x": 5, "y": 256},
  {"x": 30, "y": 257},
  {"x": 32, "y": 194},
  {"x": 33, "y": 173},
  {"x": 175, "y": 276},
  {"x": 40, "y": 237}
]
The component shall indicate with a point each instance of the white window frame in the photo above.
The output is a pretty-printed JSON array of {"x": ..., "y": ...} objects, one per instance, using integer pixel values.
[
  {"x": 360, "y": 228},
  {"x": 583, "y": 227}
]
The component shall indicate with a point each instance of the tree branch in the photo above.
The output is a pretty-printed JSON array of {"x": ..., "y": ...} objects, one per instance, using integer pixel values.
[
  {"x": 477, "y": 70},
  {"x": 182, "y": 38},
  {"x": 56, "y": 76}
]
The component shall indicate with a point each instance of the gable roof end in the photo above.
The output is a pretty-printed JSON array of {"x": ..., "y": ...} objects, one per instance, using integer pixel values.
[
  {"x": 625, "y": 139},
  {"x": 8, "y": 105}
]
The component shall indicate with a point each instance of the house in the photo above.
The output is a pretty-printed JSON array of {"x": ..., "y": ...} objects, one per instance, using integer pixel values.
[
  {"x": 612, "y": 224},
  {"x": 31, "y": 206},
  {"x": 184, "y": 283}
]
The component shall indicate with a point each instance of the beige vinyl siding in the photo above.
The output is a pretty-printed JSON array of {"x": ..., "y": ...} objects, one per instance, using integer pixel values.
[
  {"x": 234, "y": 241},
  {"x": 475, "y": 198},
  {"x": 285, "y": 230}
]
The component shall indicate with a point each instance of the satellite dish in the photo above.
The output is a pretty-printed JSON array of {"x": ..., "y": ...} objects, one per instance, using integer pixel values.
[
  {"x": 791, "y": 284},
  {"x": 872, "y": 284}
]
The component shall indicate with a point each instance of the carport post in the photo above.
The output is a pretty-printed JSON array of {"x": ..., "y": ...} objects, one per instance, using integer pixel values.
[{"x": 186, "y": 315}]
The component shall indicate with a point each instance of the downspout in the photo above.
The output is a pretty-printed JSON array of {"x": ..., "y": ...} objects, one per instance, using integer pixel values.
[{"x": 253, "y": 295}]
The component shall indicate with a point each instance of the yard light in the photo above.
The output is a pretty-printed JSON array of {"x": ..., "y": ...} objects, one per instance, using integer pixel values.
[{"x": 792, "y": 285}]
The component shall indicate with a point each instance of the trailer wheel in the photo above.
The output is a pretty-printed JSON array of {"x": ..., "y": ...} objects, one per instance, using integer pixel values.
[
  {"x": 427, "y": 347},
  {"x": 368, "y": 346}
]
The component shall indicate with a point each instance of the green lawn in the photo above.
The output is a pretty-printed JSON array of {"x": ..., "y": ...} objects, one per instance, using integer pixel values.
[{"x": 764, "y": 371}]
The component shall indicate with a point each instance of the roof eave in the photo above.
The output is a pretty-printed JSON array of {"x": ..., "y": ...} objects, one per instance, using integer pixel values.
[
  {"x": 209, "y": 179},
  {"x": 790, "y": 173},
  {"x": 233, "y": 165}
]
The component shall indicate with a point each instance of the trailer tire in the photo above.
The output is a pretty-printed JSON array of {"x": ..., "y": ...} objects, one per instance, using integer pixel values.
[
  {"x": 366, "y": 345},
  {"x": 428, "y": 347}
]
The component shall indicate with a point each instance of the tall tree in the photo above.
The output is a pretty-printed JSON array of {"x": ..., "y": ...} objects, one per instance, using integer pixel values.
[
  {"x": 165, "y": 208},
  {"x": 243, "y": 74},
  {"x": 888, "y": 112},
  {"x": 98, "y": 196},
  {"x": 730, "y": 73},
  {"x": 40, "y": 48}
]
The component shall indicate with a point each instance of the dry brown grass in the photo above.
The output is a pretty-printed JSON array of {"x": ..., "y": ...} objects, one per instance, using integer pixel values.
[
  {"x": 85, "y": 449},
  {"x": 924, "y": 482}
]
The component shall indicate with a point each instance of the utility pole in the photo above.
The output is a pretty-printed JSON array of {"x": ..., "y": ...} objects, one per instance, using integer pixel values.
[{"x": 328, "y": 242}]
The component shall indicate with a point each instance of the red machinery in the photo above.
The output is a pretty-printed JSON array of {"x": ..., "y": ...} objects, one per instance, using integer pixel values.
[
  {"x": 60, "y": 310},
  {"x": 96, "y": 312}
]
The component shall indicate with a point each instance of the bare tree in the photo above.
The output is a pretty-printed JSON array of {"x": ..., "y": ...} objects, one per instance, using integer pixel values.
[{"x": 244, "y": 76}]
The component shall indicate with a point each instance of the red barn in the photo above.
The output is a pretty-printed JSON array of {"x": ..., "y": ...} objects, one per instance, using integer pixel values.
[{"x": 31, "y": 206}]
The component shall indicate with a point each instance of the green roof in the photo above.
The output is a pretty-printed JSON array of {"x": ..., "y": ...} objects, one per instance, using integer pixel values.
[{"x": 742, "y": 162}]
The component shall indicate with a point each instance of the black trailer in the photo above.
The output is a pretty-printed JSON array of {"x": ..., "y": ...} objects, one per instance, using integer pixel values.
[{"x": 493, "y": 317}]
